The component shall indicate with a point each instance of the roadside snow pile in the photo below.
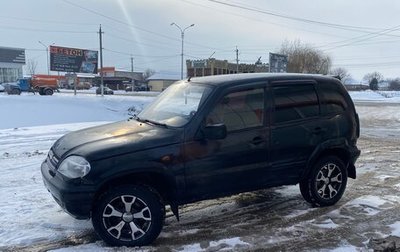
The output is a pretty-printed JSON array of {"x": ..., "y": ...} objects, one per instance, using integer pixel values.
[
  {"x": 33, "y": 110},
  {"x": 28, "y": 213},
  {"x": 369, "y": 95},
  {"x": 389, "y": 94}
]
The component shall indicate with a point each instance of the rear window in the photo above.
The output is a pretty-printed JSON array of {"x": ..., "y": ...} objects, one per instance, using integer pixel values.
[
  {"x": 333, "y": 100},
  {"x": 295, "y": 102}
]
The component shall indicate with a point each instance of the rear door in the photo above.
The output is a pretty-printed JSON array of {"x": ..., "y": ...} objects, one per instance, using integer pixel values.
[{"x": 296, "y": 129}]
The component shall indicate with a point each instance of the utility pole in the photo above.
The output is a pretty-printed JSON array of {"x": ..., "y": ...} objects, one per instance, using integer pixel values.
[
  {"x": 132, "y": 75},
  {"x": 182, "y": 37},
  {"x": 237, "y": 60},
  {"x": 47, "y": 56},
  {"x": 132, "y": 65},
  {"x": 101, "y": 62}
]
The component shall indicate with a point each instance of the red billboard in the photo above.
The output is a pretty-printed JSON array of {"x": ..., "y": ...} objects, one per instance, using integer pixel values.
[{"x": 73, "y": 60}]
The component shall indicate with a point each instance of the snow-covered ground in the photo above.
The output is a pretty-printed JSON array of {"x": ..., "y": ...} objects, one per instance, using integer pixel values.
[
  {"x": 274, "y": 219},
  {"x": 36, "y": 110}
]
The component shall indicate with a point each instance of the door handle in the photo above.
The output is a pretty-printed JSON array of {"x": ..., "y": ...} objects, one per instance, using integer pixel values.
[{"x": 257, "y": 141}]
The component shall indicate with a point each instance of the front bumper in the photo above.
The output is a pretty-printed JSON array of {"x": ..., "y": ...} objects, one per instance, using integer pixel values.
[{"x": 73, "y": 196}]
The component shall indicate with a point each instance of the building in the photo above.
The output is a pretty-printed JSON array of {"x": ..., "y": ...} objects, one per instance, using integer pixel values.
[
  {"x": 119, "y": 79},
  {"x": 213, "y": 66},
  {"x": 82, "y": 80},
  {"x": 353, "y": 85},
  {"x": 11, "y": 63},
  {"x": 384, "y": 85},
  {"x": 160, "y": 81}
]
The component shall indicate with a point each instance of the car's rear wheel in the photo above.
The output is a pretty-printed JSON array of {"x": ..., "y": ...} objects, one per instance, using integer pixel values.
[
  {"x": 128, "y": 216},
  {"x": 48, "y": 91},
  {"x": 326, "y": 183}
]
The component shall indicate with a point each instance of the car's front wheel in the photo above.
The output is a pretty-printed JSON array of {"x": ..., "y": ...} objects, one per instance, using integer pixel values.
[
  {"x": 326, "y": 182},
  {"x": 15, "y": 91},
  {"x": 128, "y": 216}
]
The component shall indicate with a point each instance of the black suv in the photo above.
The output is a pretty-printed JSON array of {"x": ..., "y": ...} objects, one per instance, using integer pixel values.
[{"x": 204, "y": 138}]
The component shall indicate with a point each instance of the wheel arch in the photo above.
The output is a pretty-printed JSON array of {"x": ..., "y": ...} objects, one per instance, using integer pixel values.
[
  {"x": 339, "y": 152},
  {"x": 158, "y": 182}
]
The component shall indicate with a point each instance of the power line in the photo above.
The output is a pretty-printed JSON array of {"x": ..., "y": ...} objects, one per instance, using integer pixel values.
[
  {"x": 139, "y": 43},
  {"x": 263, "y": 21},
  {"x": 129, "y": 25},
  {"x": 304, "y": 20},
  {"x": 42, "y": 30},
  {"x": 388, "y": 63},
  {"x": 138, "y": 55},
  {"x": 119, "y": 21},
  {"x": 46, "y": 21},
  {"x": 364, "y": 37},
  {"x": 39, "y": 50},
  {"x": 365, "y": 58}
]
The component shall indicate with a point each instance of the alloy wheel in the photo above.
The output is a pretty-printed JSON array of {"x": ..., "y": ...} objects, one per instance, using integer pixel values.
[
  {"x": 127, "y": 218},
  {"x": 329, "y": 181}
]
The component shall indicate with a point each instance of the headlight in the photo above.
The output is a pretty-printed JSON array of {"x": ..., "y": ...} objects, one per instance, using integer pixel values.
[{"x": 74, "y": 167}]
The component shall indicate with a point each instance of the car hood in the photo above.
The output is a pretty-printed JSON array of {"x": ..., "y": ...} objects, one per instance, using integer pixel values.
[{"x": 115, "y": 139}]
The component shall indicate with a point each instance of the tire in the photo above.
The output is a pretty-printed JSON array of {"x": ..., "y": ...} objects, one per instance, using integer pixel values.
[
  {"x": 305, "y": 191},
  {"x": 48, "y": 91},
  {"x": 128, "y": 216},
  {"x": 16, "y": 91},
  {"x": 326, "y": 183}
]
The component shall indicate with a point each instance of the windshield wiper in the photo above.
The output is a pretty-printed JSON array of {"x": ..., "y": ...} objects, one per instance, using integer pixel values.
[{"x": 151, "y": 122}]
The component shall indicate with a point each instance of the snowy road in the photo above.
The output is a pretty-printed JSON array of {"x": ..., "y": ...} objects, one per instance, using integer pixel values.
[{"x": 274, "y": 219}]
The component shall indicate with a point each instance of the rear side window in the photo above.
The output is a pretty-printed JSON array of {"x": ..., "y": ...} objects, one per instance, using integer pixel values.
[
  {"x": 295, "y": 102},
  {"x": 333, "y": 100}
]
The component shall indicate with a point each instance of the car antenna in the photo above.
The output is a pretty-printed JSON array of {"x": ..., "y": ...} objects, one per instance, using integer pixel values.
[{"x": 189, "y": 78}]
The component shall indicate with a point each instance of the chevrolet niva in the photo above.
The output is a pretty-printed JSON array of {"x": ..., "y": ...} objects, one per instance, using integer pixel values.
[{"x": 204, "y": 138}]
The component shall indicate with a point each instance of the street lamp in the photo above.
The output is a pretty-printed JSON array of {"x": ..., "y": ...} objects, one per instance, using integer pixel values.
[
  {"x": 182, "y": 36},
  {"x": 47, "y": 56}
]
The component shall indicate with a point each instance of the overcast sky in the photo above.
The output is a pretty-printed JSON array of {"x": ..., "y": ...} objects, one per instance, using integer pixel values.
[{"x": 359, "y": 35}]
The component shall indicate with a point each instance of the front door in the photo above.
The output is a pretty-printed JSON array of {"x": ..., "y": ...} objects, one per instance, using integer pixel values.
[{"x": 236, "y": 163}]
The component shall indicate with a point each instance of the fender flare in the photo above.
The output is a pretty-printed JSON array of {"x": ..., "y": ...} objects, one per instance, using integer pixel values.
[
  {"x": 339, "y": 147},
  {"x": 161, "y": 171}
]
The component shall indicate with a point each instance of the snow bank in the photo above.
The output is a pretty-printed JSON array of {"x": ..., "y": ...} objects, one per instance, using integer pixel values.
[
  {"x": 380, "y": 96},
  {"x": 34, "y": 110}
]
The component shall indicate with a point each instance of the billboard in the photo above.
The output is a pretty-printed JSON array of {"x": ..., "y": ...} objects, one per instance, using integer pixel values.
[
  {"x": 73, "y": 60},
  {"x": 12, "y": 55},
  {"x": 278, "y": 63}
]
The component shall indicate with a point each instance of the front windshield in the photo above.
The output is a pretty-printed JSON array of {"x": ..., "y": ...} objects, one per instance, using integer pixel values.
[{"x": 176, "y": 105}]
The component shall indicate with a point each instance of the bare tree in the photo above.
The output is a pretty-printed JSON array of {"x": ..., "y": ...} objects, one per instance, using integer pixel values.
[
  {"x": 374, "y": 75},
  {"x": 342, "y": 73},
  {"x": 303, "y": 58},
  {"x": 31, "y": 66}
]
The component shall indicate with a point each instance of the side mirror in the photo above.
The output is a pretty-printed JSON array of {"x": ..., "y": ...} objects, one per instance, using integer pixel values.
[{"x": 215, "y": 132}]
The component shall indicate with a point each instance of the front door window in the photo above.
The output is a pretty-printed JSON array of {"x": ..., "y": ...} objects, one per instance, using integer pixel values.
[{"x": 239, "y": 110}]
